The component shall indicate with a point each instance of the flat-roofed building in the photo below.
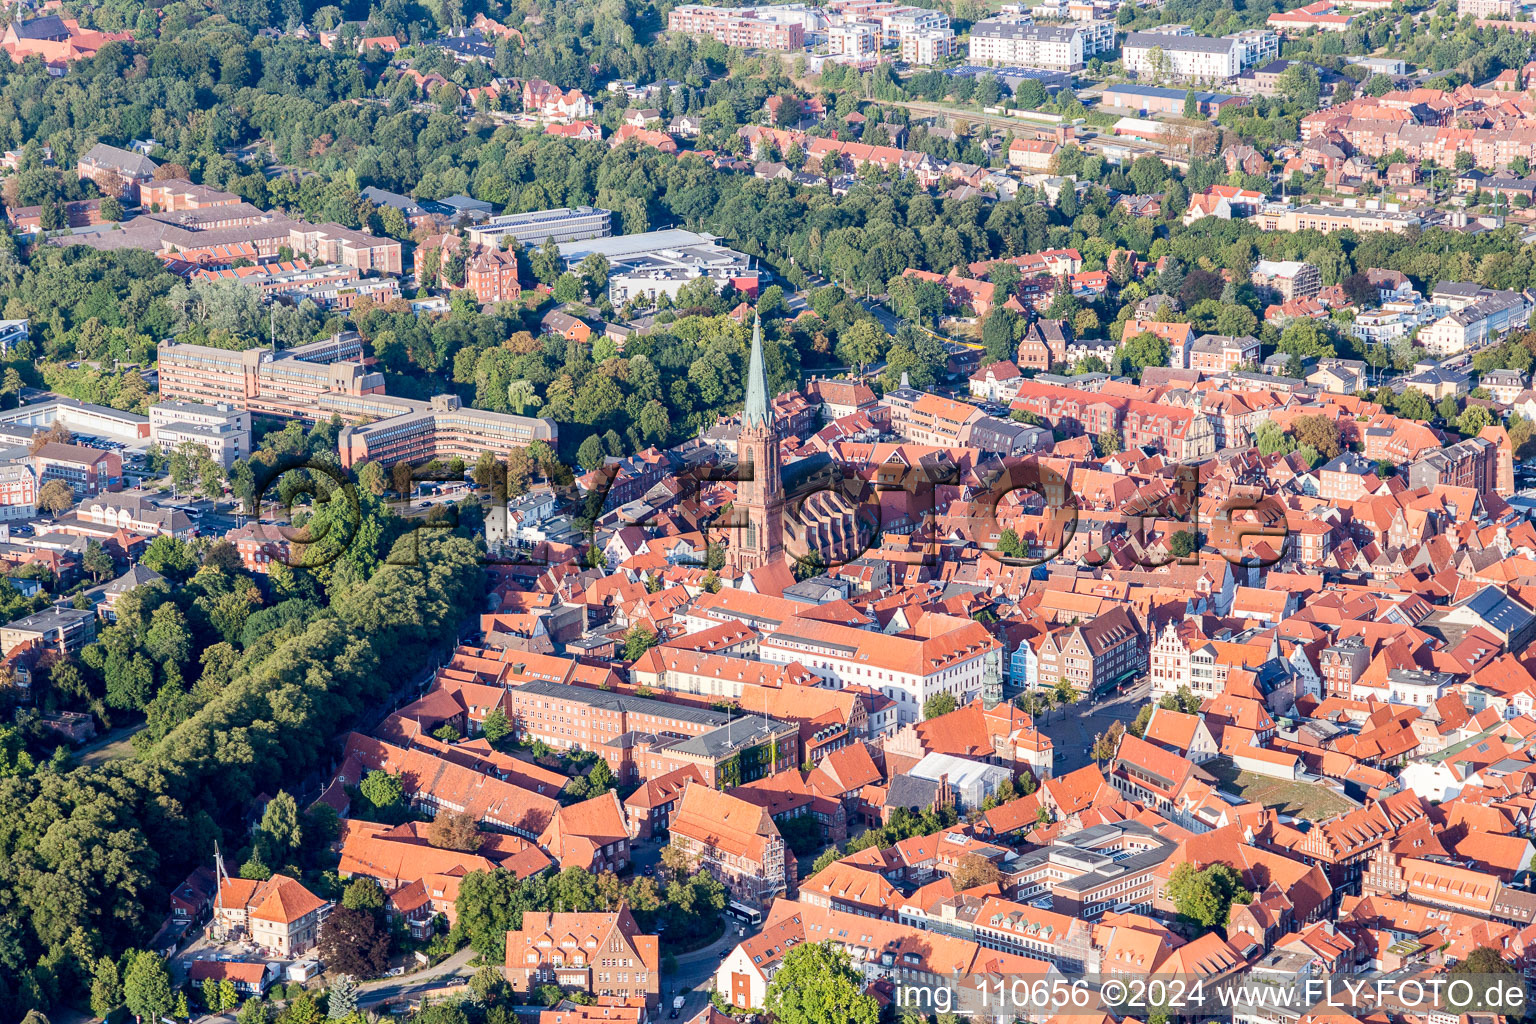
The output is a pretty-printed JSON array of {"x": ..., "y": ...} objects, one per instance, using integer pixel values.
[
  {"x": 380, "y": 427},
  {"x": 531, "y": 230},
  {"x": 1010, "y": 40},
  {"x": 87, "y": 471},
  {"x": 223, "y": 431}
]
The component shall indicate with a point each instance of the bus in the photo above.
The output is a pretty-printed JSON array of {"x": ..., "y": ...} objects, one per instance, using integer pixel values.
[{"x": 742, "y": 912}]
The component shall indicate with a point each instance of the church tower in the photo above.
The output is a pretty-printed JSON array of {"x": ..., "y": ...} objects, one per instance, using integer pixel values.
[{"x": 759, "y": 495}]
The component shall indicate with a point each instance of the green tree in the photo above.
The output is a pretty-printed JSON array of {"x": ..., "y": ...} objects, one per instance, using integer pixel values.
[
  {"x": 637, "y": 641},
  {"x": 939, "y": 704},
  {"x": 817, "y": 984},
  {"x": 590, "y": 455},
  {"x": 1272, "y": 439},
  {"x": 383, "y": 792},
  {"x": 341, "y": 1001},
  {"x": 96, "y": 561},
  {"x": 106, "y": 987},
  {"x": 1140, "y": 352},
  {"x": 1205, "y": 895},
  {"x": 1182, "y": 544},
  {"x": 147, "y": 988},
  {"x": 279, "y": 833},
  {"x": 1473, "y": 420},
  {"x": 495, "y": 727},
  {"x": 363, "y": 894}
]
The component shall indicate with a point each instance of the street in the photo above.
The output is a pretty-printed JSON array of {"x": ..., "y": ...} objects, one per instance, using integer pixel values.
[{"x": 384, "y": 990}]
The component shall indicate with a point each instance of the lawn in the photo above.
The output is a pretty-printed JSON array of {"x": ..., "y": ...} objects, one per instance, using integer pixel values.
[{"x": 1298, "y": 799}]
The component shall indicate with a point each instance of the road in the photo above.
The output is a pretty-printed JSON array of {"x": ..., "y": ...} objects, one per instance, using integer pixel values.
[{"x": 386, "y": 990}]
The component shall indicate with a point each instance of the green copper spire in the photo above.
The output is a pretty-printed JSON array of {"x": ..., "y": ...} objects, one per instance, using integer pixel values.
[{"x": 758, "y": 411}]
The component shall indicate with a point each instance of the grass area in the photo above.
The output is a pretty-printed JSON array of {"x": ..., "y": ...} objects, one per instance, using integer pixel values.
[{"x": 1298, "y": 799}]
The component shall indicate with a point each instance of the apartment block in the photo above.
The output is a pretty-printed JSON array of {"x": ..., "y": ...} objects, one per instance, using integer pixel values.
[
  {"x": 1010, "y": 40},
  {"x": 746, "y": 28},
  {"x": 1163, "y": 55}
]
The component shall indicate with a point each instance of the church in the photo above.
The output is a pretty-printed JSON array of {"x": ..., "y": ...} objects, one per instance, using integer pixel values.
[{"x": 822, "y": 516}]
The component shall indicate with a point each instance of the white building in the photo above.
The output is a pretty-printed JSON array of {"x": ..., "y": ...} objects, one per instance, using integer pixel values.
[
  {"x": 954, "y": 656},
  {"x": 927, "y": 46},
  {"x": 1260, "y": 46},
  {"x": 972, "y": 781},
  {"x": 12, "y": 332},
  {"x": 655, "y": 263},
  {"x": 1486, "y": 319},
  {"x": 855, "y": 40},
  {"x": 222, "y": 430},
  {"x": 1020, "y": 41},
  {"x": 1165, "y": 56}
]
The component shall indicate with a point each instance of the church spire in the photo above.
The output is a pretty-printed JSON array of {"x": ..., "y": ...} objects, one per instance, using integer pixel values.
[{"x": 758, "y": 412}]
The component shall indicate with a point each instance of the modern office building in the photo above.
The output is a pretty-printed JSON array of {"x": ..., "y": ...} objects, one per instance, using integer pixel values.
[
  {"x": 653, "y": 263},
  {"x": 534, "y": 229},
  {"x": 223, "y": 430},
  {"x": 380, "y": 428}
]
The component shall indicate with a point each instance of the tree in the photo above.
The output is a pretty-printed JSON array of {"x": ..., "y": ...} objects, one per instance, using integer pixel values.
[
  {"x": 1143, "y": 719},
  {"x": 55, "y": 497},
  {"x": 168, "y": 556},
  {"x": 1414, "y": 405},
  {"x": 1140, "y": 352},
  {"x": 279, "y": 833},
  {"x": 106, "y": 987},
  {"x": 454, "y": 830},
  {"x": 341, "y": 1001},
  {"x": 1108, "y": 443},
  {"x": 383, "y": 791},
  {"x": 1000, "y": 333},
  {"x": 1182, "y": 544},
  {"x": 495, "y": 727},
  {"x": 1299, "y": 85},
  {"x": 1105, "y": 744},
  {"x": 1272, "y": 439},
  {"x": 1205, "y": 896},
  {"x": 96, "y": 561},
  {"x": 363, "y": 894},
  {"x": 169, "y": 639},
  {"x": 1473, "y": 420},
  {"x": 637, "y": 641},
  {"x": 147, "y": 987},
  {"x": 1319, "y": 433},
  {"x": 353, "y": 942},
  {"x": 816, "y": 984},
  {"x": 939, "y": 704},
  {"x": 590, "y": 455},
  {"x": 974, "y": 870}
]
